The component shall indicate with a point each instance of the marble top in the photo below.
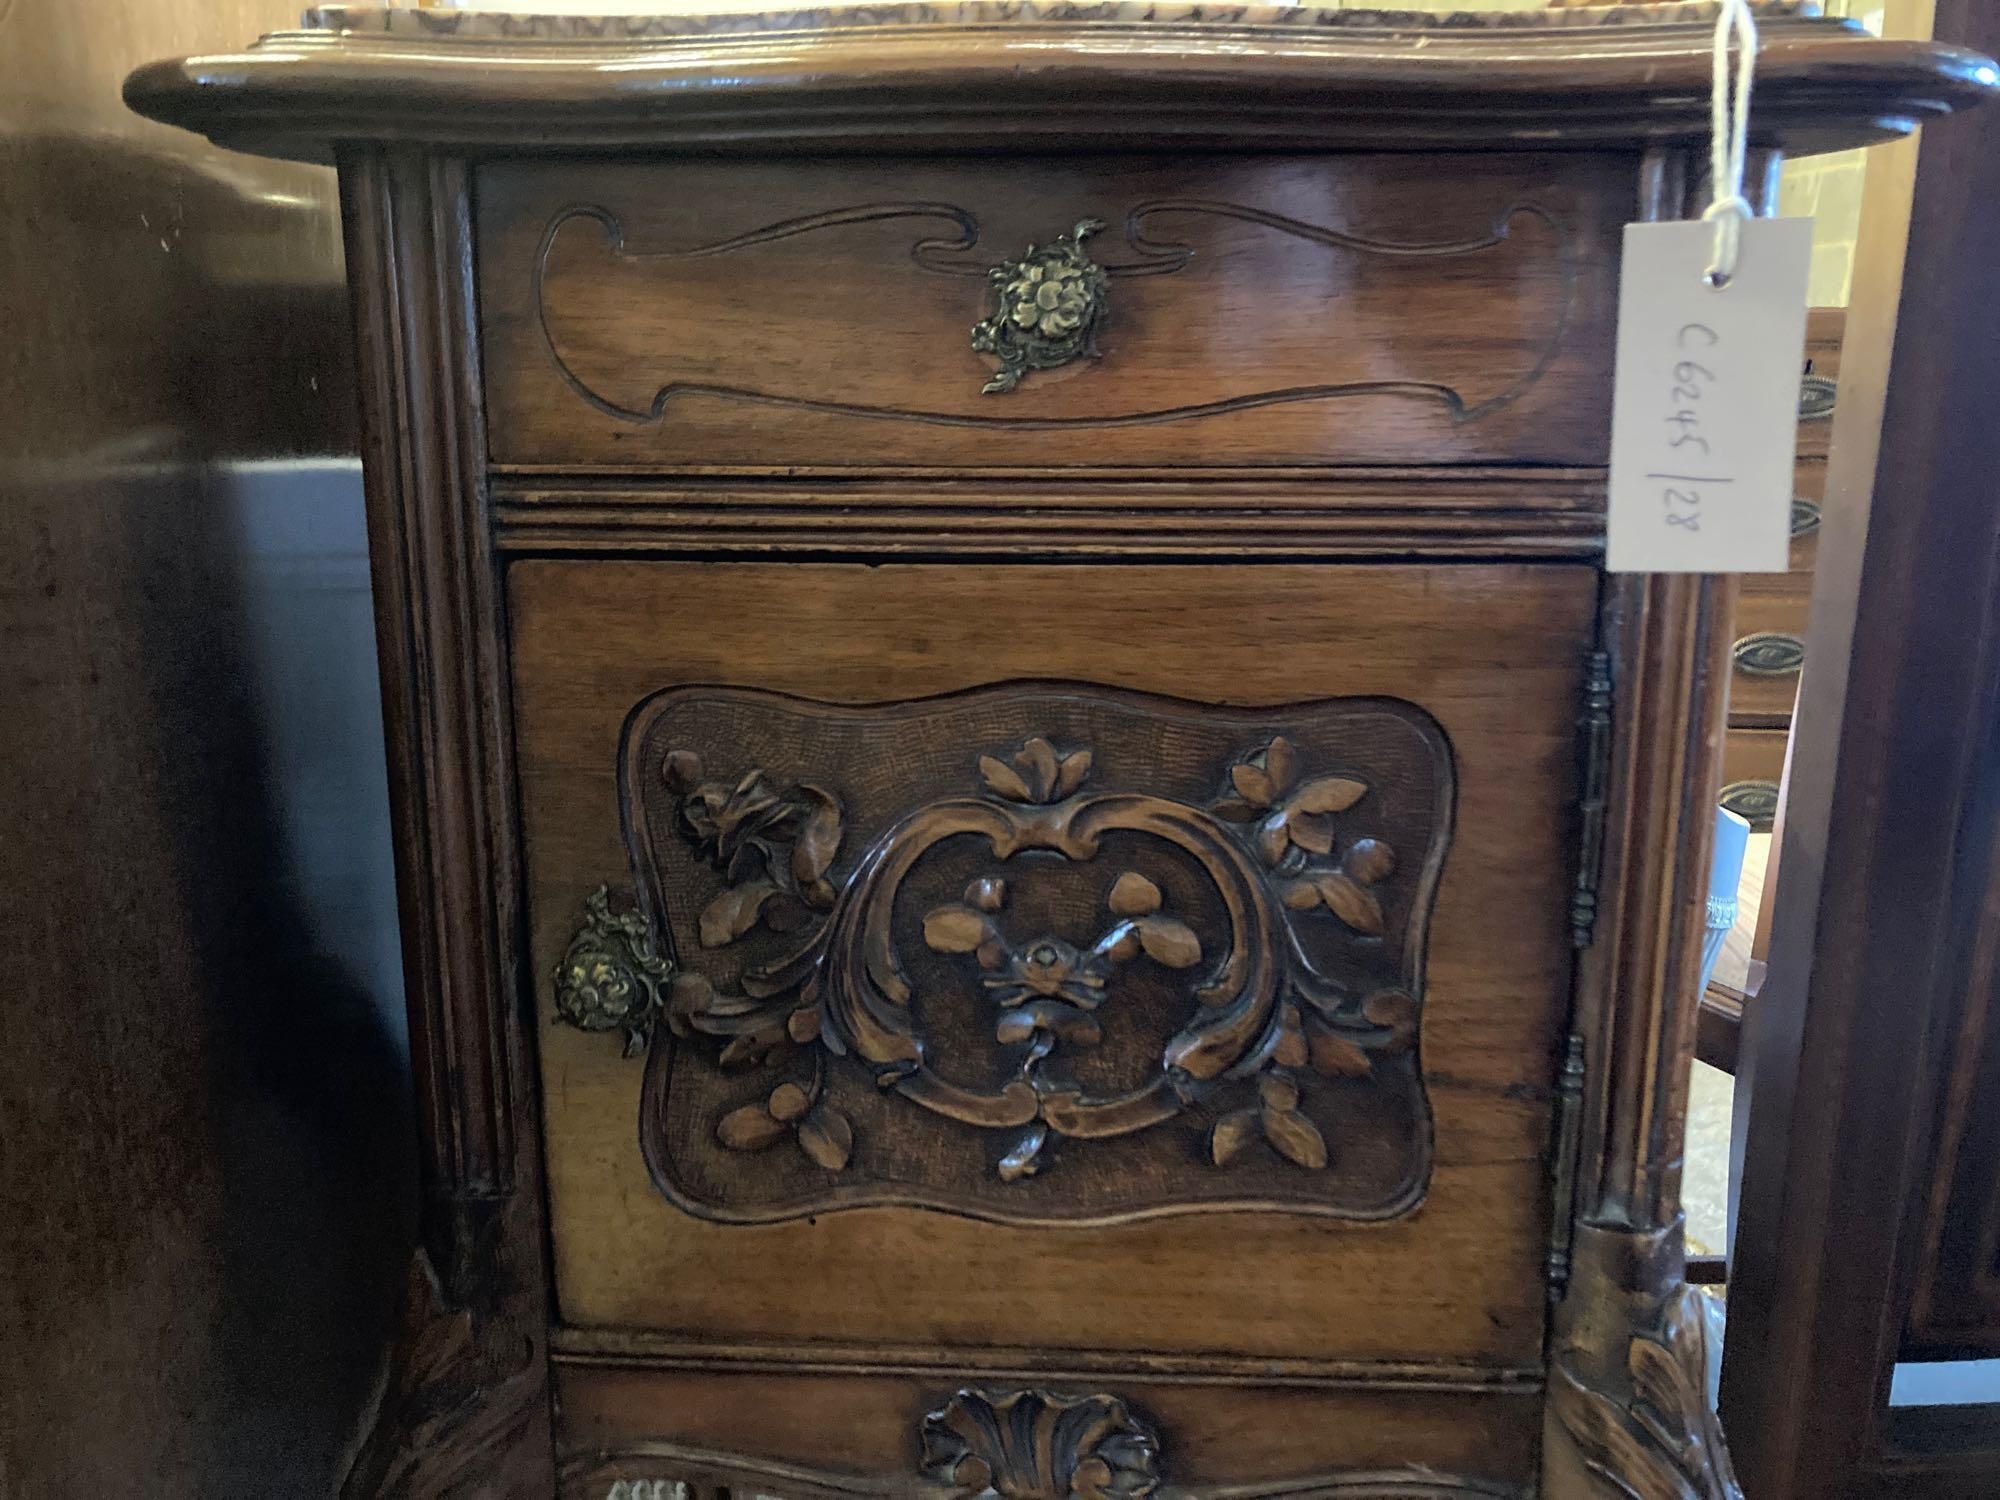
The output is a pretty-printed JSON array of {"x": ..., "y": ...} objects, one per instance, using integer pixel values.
[{"x": 474, "y": 23}]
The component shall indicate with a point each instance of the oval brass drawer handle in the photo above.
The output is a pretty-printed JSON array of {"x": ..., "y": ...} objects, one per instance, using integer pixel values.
[
  {"x": 1047, "y": 308},
  {"x": 1769, "y": 653},
  {"x": 1755, "y": 802},
  {"x": 1805, "y": 516},
  {"x": 1816, "y": 397}
]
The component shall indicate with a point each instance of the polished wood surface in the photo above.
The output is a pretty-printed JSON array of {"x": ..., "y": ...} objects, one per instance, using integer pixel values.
[
  {"x": 1019, "y": 76},
  {"x": 781, "y": 316},
  {"x": 592, "y": 639},
  {"x": 1864, "y": 1076}
]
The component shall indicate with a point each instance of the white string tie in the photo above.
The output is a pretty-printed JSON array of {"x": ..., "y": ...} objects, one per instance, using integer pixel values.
[{"x": 1729, "y": 138}]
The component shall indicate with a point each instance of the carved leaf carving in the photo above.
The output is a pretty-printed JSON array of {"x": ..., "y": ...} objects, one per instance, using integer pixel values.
[
  {"x": 819, "y": 838},
  {"x": 1232, "y": 1135},
  {"x": 1170, "y": 941},
  {"x": 1329, "y": 794},
  {"x": 733, "y": 913},
  {"x": 827, "y": 1138},
  {"x": 1134, "y": 896},
  {"x": 956, "y": 929},
  {"x": 1352, "y": 902},
  {"x": 751, "y": 1128},
  {"x": 1337, "y": 1057},
  {"x": 1664, "y": 1441},
  {"x": 1296, "y": 1138},
  {"x": 1004, "y": 779},
  {"x": 789, "y": 1102}
]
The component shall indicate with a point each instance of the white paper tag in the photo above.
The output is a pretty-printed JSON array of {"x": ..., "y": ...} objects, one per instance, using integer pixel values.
[{"x": 1705, "y": 411}]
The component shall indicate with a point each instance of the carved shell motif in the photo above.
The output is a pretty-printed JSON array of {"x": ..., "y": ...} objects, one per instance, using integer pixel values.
[{"x": 1032, "y": 1445}]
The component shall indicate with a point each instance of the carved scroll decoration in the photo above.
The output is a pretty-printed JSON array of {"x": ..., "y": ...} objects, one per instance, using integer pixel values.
[
  {"x": 1284, "y": 863},
  {"x": 1046, "y": 342}
]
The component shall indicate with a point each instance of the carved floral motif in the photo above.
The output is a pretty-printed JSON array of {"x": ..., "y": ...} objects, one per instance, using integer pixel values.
[{"x": 1274, "y": 843}]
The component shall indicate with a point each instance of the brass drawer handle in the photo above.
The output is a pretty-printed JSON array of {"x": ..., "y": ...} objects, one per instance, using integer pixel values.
[
  {"x": 1769, "y": 653},
  {"x": 1816, "y": 397},
  {"x": 1755, "y": 802},
  {"x": 1047, "y": 308},
  {"x": 1805, "y": 516}
]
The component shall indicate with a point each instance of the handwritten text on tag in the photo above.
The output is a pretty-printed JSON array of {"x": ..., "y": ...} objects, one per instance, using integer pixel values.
[{"x": 1705, "y": 407}]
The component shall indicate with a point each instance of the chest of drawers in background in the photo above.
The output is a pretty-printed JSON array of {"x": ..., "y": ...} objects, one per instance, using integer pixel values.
[{"x": 1767, "y": 651}]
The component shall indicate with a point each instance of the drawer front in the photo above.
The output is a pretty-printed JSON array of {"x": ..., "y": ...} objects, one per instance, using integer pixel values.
[
  {"x": 1116, "y": 313},
  {"x": 1767, "y": 656},
  {"x": 639, "y": 1434},
  {"x": 1753, "y": 766},
  {"x": 1819, "y": 390},
  {"x": 1258, "y": 986},
  {"x": 1808, "y": 492}
]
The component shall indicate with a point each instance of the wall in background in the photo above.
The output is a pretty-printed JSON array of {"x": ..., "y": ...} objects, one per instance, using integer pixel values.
[{"x": 204, "y": 1129}]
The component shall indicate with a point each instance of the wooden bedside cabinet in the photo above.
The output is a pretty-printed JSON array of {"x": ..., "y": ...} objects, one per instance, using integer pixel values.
[{"x": 1036, "y": 858}]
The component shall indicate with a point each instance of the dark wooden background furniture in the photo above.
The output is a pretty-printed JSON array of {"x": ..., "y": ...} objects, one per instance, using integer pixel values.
[
  {"x": 1036, "y": 858},
  {"x": 1869, "y": 1096},
  {"x": 206, "y": 1185}
]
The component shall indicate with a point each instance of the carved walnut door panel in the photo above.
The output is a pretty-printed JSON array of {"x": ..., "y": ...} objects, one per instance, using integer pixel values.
[
  {"x": 1163, "y": 965},
  {"x": 1039, "y": 954}
]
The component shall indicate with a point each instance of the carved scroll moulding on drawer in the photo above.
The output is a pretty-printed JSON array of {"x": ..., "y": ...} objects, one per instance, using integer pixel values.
[
  {"x": 1037, "y": 953},
  {"x": 945, "y": 241},
  {"x": 1292, "y": 312}
]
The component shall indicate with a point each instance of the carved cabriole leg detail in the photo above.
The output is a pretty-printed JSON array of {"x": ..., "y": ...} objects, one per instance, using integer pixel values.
[
  {"x": 458, "y": 1392},
  {"x": 1629, "y": 1410},
  {"x": 464, "y": 1409}
]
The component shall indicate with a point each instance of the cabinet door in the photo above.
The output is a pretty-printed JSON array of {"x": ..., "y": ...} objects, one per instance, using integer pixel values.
[{"x": 1189, "y": 982}]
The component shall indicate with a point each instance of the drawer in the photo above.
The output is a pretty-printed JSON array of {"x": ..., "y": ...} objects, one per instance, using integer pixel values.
[
  {"x": 1819, "y": 389},
  {"x": 1808, "y": 491},
  {"x": 1041, "y": 923},
  {"x": 637, "y": 1434},
  {"x": 1753, "y": 766},
  {"x": 1110, "y": 313},
  {"x": 1766, "y": 656}
]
